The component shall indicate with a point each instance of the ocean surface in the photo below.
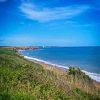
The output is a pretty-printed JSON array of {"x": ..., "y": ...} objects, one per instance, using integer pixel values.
[{"x": 85, "y": 58}]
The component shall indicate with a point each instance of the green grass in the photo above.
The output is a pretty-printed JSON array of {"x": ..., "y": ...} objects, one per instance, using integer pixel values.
[{"x": 24, "y": 80}]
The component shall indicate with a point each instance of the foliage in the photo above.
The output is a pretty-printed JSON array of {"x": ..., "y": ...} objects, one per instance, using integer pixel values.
[{"x": 24, "y": 80}]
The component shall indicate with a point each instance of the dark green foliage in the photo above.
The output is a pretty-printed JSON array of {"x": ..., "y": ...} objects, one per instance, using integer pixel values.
[
  {"x": 78, "y": 73},
  {"x": 24, "y": 80},
  {"x": 72, "y": 71}
]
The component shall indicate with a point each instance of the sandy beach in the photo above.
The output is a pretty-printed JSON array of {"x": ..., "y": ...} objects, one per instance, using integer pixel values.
[
  {"x": 56, "y": 69},
  {"x": 51, "y": 67}
]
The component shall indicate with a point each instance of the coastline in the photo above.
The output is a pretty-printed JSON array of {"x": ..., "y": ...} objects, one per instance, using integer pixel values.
[
  {"x": 47, "y": 65},
  {"x": 30, "y": 79},
  {"x": 60, "y": 68}
]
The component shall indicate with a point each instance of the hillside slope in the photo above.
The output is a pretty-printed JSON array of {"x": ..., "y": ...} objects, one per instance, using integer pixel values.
[{"x": 24, "y": 80}]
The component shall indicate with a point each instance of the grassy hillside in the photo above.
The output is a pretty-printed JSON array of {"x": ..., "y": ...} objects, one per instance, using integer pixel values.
[{"x": 24, "y": 80}]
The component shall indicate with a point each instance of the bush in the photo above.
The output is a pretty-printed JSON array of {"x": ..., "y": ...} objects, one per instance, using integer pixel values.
[{"x": 72, "y": 70}]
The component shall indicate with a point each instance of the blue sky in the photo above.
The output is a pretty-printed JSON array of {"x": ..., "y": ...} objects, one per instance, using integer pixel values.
[{"x": 50, "y": 22}]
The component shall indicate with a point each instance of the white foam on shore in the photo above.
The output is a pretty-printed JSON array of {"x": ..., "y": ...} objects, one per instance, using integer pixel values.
[
  {"x": 94, "y": 76},
  {"x": 39, "y": 60}
]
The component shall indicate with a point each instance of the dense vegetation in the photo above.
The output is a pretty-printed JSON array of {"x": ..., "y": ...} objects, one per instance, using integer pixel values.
[{"x": 24, "y": 80}]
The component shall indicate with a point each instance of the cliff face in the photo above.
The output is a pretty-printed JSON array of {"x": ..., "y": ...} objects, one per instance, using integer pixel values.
[
  {"x": 22, "y": 47},
  {"x": 26, "y": 48}
]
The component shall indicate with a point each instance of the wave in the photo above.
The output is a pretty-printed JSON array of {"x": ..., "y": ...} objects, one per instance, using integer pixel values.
[
  {"x": 43, "y": 61},
  {"x": 94, "y": 76}
]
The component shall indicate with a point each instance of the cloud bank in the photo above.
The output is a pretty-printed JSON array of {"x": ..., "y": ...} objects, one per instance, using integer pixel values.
[{"x": 44, "y": 14}]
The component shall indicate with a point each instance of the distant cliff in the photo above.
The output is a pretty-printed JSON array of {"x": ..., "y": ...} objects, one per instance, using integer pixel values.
[{"x": 22, "y": 47}]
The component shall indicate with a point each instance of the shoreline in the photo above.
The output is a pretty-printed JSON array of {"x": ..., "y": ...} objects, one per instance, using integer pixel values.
[
  {"x": 48, "y": 66},
  {"x": 62, "y": 69},
  {"x": 94, "y": 76}
]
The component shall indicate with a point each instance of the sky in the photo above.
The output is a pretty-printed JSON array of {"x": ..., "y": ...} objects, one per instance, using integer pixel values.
[{"x": 50, "y": 22}]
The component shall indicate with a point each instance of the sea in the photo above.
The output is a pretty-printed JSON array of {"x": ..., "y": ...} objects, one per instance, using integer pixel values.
[{"x": 85, "y": 58}]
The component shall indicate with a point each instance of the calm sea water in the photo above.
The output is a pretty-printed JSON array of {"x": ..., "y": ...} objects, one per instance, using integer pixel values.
[{"x": 86, "y": 58}]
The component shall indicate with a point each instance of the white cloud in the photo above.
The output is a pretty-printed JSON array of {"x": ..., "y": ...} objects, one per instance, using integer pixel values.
[{"x": 45, "y": 14}]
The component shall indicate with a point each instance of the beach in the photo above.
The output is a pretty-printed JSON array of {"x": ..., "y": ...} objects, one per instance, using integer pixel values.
[
  {"x": 63, "y": 58},
  {"x": 47, "y": 65},
  {"x": 60, "y": 69}
]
